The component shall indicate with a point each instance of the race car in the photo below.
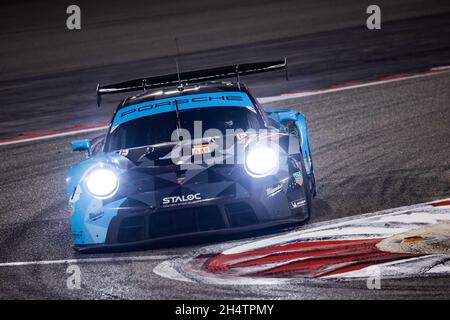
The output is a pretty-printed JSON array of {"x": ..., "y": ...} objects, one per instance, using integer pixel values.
[{"x": 190, "y": 155}]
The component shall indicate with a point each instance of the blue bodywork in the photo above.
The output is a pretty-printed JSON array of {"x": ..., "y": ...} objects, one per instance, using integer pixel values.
[
  {"x": 81, "y": 145},
  {"x": 287, "y": 116},
  {"x": 91, "y": 216}
]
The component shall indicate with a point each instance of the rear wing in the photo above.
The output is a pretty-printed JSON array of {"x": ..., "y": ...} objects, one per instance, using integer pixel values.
[{"x": 180, "y": 79}]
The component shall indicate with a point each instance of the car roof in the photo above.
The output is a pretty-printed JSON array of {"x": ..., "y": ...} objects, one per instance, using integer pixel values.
[{"x": 209, "y": 87}]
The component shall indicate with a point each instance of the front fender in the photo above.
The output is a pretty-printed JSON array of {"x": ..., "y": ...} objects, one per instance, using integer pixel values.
[
  {"x": 284, "y": 116},
  {"x": 90, "y": 217}
]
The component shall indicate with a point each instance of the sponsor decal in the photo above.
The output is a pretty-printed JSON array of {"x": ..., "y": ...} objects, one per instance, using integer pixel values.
[
  {"x": 123, "y": 152},
  {"x": 242, "y": 137},
  {"x": 180, "y": 200},
  {"x": 181, "y": 102},
  {"x": 271, "y": 191},
  {"x": 297, "y": 203},
  {"x": 200, "y": 149},
  {"x": 298, "y": 177},
  {"x": 246, "y": 137},
  {"x": 96, "y": 215},
  {"x": 235, "y": 99}
]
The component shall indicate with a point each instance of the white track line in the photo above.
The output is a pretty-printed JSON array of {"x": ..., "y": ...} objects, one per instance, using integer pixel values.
[
  {"x": 56, "y": 135},
  {"x": 282, "y": 97},
  {"x": 87, "y": 260},
  {"x": 288, "y": 96}
]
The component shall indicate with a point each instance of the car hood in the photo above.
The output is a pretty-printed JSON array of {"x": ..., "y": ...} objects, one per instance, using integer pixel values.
[{"x": 151, "y": 167}]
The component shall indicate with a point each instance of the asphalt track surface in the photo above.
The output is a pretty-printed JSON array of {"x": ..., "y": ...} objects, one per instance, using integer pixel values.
[
  {"x": 374, "y": 147},
  {"x": 61, "y": 100}
]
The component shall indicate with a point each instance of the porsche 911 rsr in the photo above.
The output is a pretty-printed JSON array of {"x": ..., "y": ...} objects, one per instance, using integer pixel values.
[{"x": 195, "y": 158}]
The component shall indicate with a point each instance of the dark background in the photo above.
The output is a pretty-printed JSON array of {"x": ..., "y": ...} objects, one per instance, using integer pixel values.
[
  {"x": 35, "y": 40},
  {"x": 48, "y": 74}
]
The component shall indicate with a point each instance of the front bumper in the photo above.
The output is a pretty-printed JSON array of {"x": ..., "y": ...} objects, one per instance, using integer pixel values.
[
  {"x": 226, "y": 207},
  {"x": 215, "y": 235},
  {"x": 136, "y": 224}
]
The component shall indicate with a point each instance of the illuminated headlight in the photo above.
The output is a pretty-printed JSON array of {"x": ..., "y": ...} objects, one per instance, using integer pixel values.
[
  {"x": 102, "y": 183},
  {"x": 261, "y": 161}
]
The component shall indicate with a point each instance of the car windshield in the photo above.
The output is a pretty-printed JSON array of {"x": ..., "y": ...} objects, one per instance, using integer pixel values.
[{"x": 158, "y": 128}]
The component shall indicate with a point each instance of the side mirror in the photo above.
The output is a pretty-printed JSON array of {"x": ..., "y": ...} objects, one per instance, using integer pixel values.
[{"x": 82, "y": 145}]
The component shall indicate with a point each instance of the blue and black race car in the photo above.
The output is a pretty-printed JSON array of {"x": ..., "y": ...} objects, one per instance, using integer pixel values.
[{"x": 190, "y": 156}]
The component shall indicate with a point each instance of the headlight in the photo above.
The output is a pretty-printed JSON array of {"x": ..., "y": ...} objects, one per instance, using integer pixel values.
[
  {"x": 261, "y": 161},
  {"x": 102, "y": 183}
]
